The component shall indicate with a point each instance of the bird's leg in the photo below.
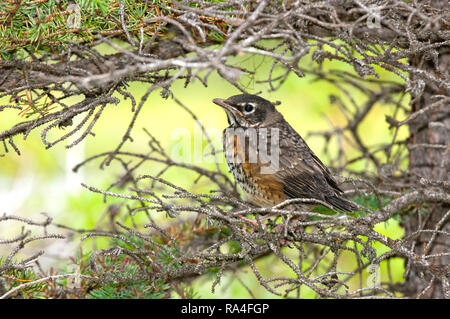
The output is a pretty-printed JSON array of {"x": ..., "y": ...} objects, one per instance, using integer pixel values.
[
  {"x": 254, "y": 222},
  {"x": 251, "y": 221},
  {"x": 283, "y": 227}
]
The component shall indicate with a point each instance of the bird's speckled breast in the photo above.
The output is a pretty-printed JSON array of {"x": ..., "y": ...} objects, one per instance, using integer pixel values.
[{"x": 262, "y": 189}]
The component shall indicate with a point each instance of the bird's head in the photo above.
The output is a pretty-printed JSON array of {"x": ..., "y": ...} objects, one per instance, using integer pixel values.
[{"x": 248, "y": 110}]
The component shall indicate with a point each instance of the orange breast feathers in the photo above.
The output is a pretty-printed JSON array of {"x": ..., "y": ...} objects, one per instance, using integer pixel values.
[{"x": 262, "y": 189}]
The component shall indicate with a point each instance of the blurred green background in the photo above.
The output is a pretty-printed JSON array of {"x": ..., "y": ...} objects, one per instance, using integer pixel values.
[{"x": 42, "y": 180}]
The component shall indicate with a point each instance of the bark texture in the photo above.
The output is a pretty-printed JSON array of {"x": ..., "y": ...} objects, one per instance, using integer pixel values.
[{"x": 430, "y": 160}]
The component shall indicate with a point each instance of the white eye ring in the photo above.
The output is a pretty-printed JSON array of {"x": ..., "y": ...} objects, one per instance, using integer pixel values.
[{"x": 249, "y": 108}]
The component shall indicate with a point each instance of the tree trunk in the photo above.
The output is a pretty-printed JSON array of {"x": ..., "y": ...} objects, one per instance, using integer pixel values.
[{"x": 432, "y": 163}]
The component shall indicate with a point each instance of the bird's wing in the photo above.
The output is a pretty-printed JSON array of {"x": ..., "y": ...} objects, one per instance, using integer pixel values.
[{"x": 304, "y": 175}]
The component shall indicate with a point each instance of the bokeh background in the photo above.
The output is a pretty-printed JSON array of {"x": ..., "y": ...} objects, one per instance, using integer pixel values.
[{"x": 41, "y": 180}]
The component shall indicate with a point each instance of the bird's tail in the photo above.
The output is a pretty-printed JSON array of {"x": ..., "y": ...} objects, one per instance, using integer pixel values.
[{"x": 342, "y": 203}]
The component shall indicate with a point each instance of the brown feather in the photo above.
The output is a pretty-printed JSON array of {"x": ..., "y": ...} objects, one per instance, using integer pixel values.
[{"x": 300, "y": 174}]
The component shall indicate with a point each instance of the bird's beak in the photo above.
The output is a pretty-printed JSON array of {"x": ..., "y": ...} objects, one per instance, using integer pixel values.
[{"x": 227, "y": 107}]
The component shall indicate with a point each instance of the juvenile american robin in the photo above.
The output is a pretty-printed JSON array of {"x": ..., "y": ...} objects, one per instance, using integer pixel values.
[{"x": 270, "y": 160}]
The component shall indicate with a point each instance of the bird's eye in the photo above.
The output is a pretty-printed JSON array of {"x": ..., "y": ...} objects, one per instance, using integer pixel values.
[{"x": 248, "y": 108}]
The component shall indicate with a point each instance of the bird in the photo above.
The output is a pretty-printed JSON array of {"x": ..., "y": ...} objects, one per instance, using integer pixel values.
[{"x": 255, "y": 127}]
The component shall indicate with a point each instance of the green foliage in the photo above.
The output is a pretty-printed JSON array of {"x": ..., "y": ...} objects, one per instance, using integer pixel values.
[
  {"x": 129, "y": 243},
  {"x": 370, "y": 201},
  {"x": 234, "y": 246},
  {"x": 39, "y": 27},
  {"x": 122, "y": 277},
  {"x": 15, "y": 277},
  {"x": 187, "y": 292},
  {"x": 128, "y": 273},
  {"x": 129, "y": 289}
]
